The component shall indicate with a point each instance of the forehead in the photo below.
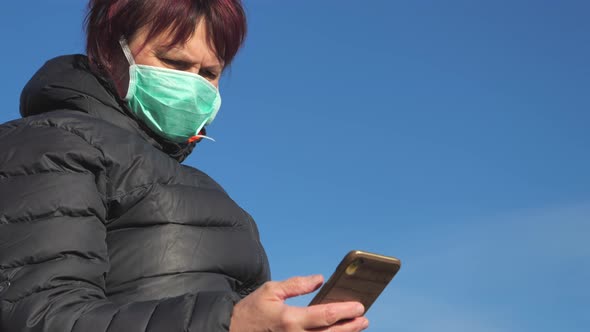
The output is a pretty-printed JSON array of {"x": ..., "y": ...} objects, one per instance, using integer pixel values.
[{"x": 197, "y": 48}]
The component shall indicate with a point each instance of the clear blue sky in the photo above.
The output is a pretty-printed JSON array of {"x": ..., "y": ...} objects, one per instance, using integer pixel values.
[{"x": 451, "y": 134}]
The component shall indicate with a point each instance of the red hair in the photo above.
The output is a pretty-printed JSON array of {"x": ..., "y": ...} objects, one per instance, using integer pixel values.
[{"x": 109, "y": 20}]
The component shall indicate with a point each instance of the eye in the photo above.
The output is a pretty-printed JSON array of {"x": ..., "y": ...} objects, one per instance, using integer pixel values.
[
  {"x": 177, "y": 64},
  {"x": 208, "y": 74}
]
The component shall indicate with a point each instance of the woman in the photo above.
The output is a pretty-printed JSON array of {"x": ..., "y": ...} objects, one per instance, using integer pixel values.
[{"x": 101, "y": 226}]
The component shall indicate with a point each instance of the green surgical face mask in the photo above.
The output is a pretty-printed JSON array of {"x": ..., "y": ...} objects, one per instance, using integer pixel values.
[{"x": 173, "y": 103}]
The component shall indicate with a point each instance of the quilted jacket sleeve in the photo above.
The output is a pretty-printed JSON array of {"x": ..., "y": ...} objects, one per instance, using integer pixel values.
[{"x": 53, "y": 253}]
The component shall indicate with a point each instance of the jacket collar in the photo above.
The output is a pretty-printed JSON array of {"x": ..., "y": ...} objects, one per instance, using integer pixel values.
[{"x": 68, "y": 82}]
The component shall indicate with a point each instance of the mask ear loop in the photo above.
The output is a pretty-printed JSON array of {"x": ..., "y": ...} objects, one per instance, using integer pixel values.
[
  {"x": 200, "y": 137},
  {"x": 127, "y": 51},
  {"x": 132, "y": 73}
]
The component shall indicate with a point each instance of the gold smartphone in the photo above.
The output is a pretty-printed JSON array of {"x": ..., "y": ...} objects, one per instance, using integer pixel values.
[{"x": 360, "y": 276}]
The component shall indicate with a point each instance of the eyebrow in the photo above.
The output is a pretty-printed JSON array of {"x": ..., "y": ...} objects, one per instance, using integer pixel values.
[{"x": 185, "y": 57}]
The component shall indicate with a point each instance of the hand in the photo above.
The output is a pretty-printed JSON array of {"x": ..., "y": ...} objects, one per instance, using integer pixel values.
[{"x": 265, "y": 310}]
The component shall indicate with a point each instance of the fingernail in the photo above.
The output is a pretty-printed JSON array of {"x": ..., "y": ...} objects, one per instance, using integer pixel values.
[
  {"x": 360, "y": 309},
  {"x": 365, "y": 324}
]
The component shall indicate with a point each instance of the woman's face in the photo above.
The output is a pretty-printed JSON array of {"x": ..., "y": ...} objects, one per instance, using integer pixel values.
[{"x": 195, "y": 56}]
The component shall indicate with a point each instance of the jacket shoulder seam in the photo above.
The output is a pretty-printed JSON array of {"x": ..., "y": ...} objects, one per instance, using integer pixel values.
[{"x": 71, "y": 131}]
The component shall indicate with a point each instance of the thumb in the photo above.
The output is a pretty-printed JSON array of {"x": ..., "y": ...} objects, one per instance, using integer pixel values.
[{"x": 298, "y": 286}]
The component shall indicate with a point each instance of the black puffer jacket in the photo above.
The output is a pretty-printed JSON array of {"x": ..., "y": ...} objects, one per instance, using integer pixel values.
[{"x": 101, "y": 227}]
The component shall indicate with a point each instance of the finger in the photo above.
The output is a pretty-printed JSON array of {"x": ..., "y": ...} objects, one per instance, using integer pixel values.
[
  {"x": 323, "y": 315},
  {"x": 355, "y": 325},
  {"x": 298, "y": 286}
]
